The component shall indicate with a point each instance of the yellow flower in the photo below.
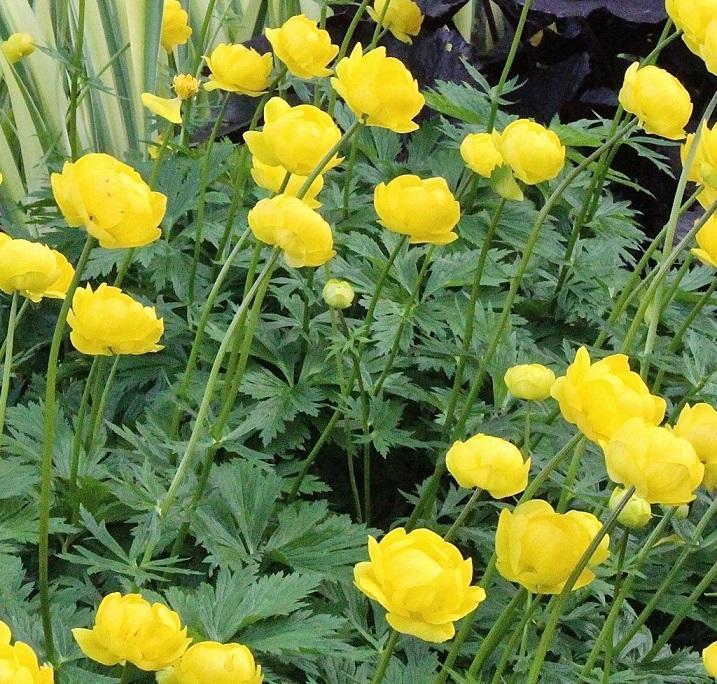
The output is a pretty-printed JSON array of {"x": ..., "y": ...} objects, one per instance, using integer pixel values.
[
  {"x": 488, "y": 463},
  {"x": 403, "y": 18},
  {"x": 108, "y": 321},
  {"x": 706, "y": 237},
  {"x": 338, "y": 294},
  {"x": 709, "y": 658},
  {"x": 425, "y": 210},
  {"x": 167, "y": 107},
  {"x": 34, "y": 270},
  {"x": 539, "y": 548},
  {"x": 663, "y": 467},
  {"x": 58, "y": 288},
  {"x": 175, "y": 27},
  {"x": 480, "y": 154},
  {"x": 239, "y": 69},
  {"x": 658, "y": 100},
  {"x": 298, "y": 230},
  {"x": 271, "y": 178},
  {"x": 17, "y": 46},
  {"x": 110, "y": 200},
  {"x": 130, "y": 629},
  {"x": 379, "y": 90},
  {"x": 421, "y": 580},
  {"x": 636, "y": 513},
  {"x": 599, "y": 397},
  {"x": 185, "y": 85},
  {"x": 529, "y": 381},
  {"x": 297, "y": 138},
  {"x": 303, "y": 47},
  {"x": 534, "y": 152},
  {"x": 692, "y": 17},
  {"x": 209, "y": 662},
  {"x": 698, "y": 425},
  {"x": 18, "y": 663}
]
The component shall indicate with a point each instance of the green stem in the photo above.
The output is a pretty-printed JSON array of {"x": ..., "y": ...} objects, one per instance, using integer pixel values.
[
  {"x": 519, "y": 630},
  {"x": 463, "y": 515},
  {"x": 95, "y": 394},
  {"x": 615, "y": 608},
  {"x": 98, "y": 415},
  {"x": 349, "y": 175},
  {"x": 124, "y": 266},
  {"x": 566, "y": 492},
  {"x": 126, "y": 671},
  {"x": 7, "y": 366},
  {"x": 20, "y": 314},
  {"x": 157, "y": 165},
  {"x": 385, "y": 657},
  {"x": 379, "y": 25},
  {"x": 75, "y": 81}
]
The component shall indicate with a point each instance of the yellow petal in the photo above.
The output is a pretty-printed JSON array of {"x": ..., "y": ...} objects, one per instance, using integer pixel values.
[{"x": 166, "y": 107}]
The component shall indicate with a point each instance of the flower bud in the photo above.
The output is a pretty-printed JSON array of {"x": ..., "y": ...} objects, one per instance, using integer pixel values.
[
  {"x": 529, "y": 381},
  {"x": 175, "y": 27},
  {"x": 303, "y": 47},
  {"x": 534, "y": 152},
  {"x": 17, "y": 46},
  {"x": 403, "y": 18},
  {"x": 480, "y": 154},
  {"x": 338, "y": 294},
  {"x": 185, "y": 85},
  {"x": 209, "y": 662},
  {"x": 238, "y": 69},
  {"x": 636, "y": 513}
]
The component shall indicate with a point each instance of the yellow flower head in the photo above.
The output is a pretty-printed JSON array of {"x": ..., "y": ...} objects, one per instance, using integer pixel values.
[
  {"x": 533, "y": 152},
  {"x": 425, "y": 210},
  {"x": 185, "y": 85},
  {"x": 175, "y": 26},
  {"x": 403, "y": 18},
  {"x": 17, "y": 46},
  {"x": 169, "y": 108},
  {"x": 480, "y": 154},
  {"x": 289, "y": 224},
  {"x": 636, "y": 513},
  {"x": 539, "y": 548},
  {"x": 297, "y": 138},
  {"x": 692, "y": 17},
  {"x": 698, "y": 425},
  {"x": 379, "y": 90},
  {"x": 33, "y": 269},
  {"x": 663, "y": 467},
  {"x": 706, "y": 237},
  {"x": 108, "y": 321},
  {"x": 209, "y": 662},
  {"x": 709, "y": 658},
  {"x": 421, "y": 580},
  {"x": 488, "y": 463},
  {"x": 110, "y": 200},
  {"x": 303, "y": 47},
  {"x": 239, "y": 69},
  {"x": 599, "y": 397},
  {"x": 18, "y": 663},
  {"x": 658, "y": 100},
  {"x": 530, "y": 381},
  {"x": 130, "y": 629},
  {"x": 271, "y": 178},
  {"x": 338, "y": 294}
]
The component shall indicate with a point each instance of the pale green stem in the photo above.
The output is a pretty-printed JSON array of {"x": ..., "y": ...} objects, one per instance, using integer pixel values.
[
  {"x": 385, "y": 657},
  {"x": 98, "y": 415},
  {"x": 124, "y": 266},
  {"x": 20, "y": 314},
  {"x": 349, "y": 175},
  {"x": 463, "y": 515},
  {"x": 520, "y": 630},
  {"x": 379, "y": 25},
  {"x": 566, "y": 493},
  {"x": 7, "y": 366}
]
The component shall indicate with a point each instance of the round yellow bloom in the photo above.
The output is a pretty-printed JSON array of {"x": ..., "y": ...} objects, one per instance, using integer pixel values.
[
  {"x": 301, "y": 233},
  {"x": 480, "y": 154},
  {"x": 698, "y": 425},
  {"x": 534, "y": 152},
  {"x": 539, "y": 548},
  {"x": 209, "y": 662},
  {"x": 130, "y": 629},
  {"x": 530, "y": 381},
  {"x": 663, "y": 467},
  {"x": 599, "y": 397},
  {"x": 297, "y": 138},
  {"x": 403, "y": 18},
  {"x": 692, "y": 17},
  {"x": 709, "y": 658},
  {"x": 379, "y": 90},
  {"x": 17, "y": 46},
  {"x": 658, "y": 100},
  {"x": 271, "y": 178},
  {"x": 636, "y": 513},
  {"x": 421, "y": 580},
  {"x": 706, "y": 237},
  {"x": 169, "y": 108},
  {"x": 34, "y": 270},
  {"x": 110, "y": 200},
  {"x": 239, "y": 69},
  {"x": 185, "y": 85},
  {"x": 488, "y": 463},
  {"x": 18, "y": 663},
  {"x": 425, "y": 210},
  {"x": 175, "y": 26},
  {"x": 338, "y": 294},
  {"x": 303, "y": 47},
  {"x": 108, "y": 322}
]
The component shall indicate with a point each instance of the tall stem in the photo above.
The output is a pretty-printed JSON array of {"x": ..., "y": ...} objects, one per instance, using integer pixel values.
[
  {"x": 75, "y": 80},
  {"x": 385, "y": 657},
  {"x": 457, "y": 524},
  {"x": 7, "y": 366}
]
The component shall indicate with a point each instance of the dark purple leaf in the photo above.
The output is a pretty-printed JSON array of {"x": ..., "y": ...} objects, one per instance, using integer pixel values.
[
  {"x": 637, "y": 11},
  {"x": 441, "y": 9}
]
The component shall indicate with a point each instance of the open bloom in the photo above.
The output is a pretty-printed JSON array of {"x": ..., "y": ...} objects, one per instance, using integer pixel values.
[
  {"x": 379, "y": 90},
  {"x": 539, "y": 548},
  {"x": 663, "y": 467},
  {"x": 480, "y": 153},
  {"x": 169, "y": 108},
  {"x": 110, "y": 200},
  {"x": 657, "y": 99},
  {"x": 403, "y": 18},
  {"x": 33, "y": 270},
  {"x": 303, "y": 47},
  {"x": 693, "y": 17},
  {"x": 297, "y": 138},
  {"x": 17, "y": 46},
  {"x": 488, "y": 463},
  {"x": 635, "y": 514},
  {"x": 209, "y": 662},
  {"x": 698, "y": 425},
  {"x": 706, "y": 250},
  {"x": 599, "y": 397},
  {"x": 130, "y": 629},
  {"x": 421, "y": 580},
  {"x": 533, "y": 152},
  {"x": 291, "y": 225},
  {"x": 239, "y": 69},
  {"x": 272, "y": 178},
  {"x": 425, "y": 210},
  {"x": 530, "y": 381},
  {"x": 18, "y": 662},
  {"x": 175, "y": 27},
  {"x": 107, "y": 321}
]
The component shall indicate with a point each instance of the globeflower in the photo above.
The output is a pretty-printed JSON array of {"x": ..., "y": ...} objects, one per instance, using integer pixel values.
[
  {"x": 107, "y": 321},
  {"x": 530, "y": 381},
  {"x": 599, "y": 397},
  {"x": 18, "y": 662},
  {"x": 239, "y": 69},
  {"x": 533, "y": 152},
  {"x": 175, "y": 27},
  {"x": 706, "y": 250},
  {"x": 489, "y": 463},
  {"x": 421, "y": 580},
  {"x": 17, "y": 46},
  {"x": 539, "y": 548},
  {"x": 425, "y": 210},
  {"x": 709, "y": 658},
  {"x": 692, "y": 17},
  {"x": 403, "y": 18},
  {"x": 130, "y": 629},
  {"x": 33, "y": 270},
  {"x": 303, "y": 47},
  {"x": 169, "y": 108},
  {"x": 209, "y": 662},
  {"x": 480, "y": 153},
  {"x": 698, "y": 425},
  {"x": 110, "y": 200},
  {"x": 338, "y": 294},
  {"x": 379, "y": 90},
  {"x": 271, "y": 178},
  {"x": 635, "y": 514},
  {"x": 658, "y": 100}
]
